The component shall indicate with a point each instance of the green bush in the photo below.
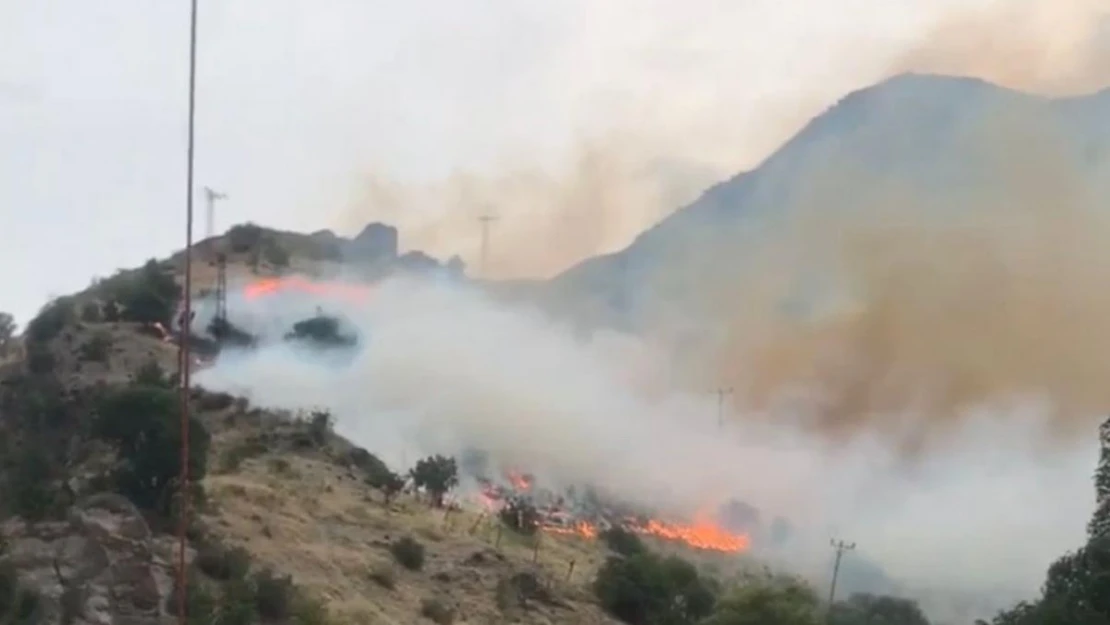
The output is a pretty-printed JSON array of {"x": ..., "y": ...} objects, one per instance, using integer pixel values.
[
  {"x": 408, "y": 552},
  {"x": 275, "y": 595},
  {"x": 622, "y": 541},
  {"x": 646, "y": 589},
  {"x": 144, "y": 423},
  {"x": 96, "y": 348},
  {"x": 437, "y": 475},
  {"x": 223, "y": 563},
  {"x": 51, "y": 320},
  {"x": 244, "y": 237},
  {"x": 149, "y": 296}
]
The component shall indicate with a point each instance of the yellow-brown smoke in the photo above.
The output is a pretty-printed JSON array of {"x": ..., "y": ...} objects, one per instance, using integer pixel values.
[
  {"x": 1053, "y": 47},
  {"x": 952, "y": 299}
]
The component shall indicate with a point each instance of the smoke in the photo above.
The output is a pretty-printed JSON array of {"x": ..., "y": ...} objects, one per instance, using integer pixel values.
[
  {"x": 679, "y": 95},
  {"x": 442, "y": 368},
  {"x": 1055, "y": 48},
  {"x": 966, "y": 324}
]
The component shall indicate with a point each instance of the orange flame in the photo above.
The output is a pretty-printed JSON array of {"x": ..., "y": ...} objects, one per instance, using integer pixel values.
[{"x": 345, "y": 290}]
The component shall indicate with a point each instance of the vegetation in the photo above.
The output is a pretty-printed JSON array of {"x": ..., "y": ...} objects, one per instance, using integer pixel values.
[
  {"x": 520, "y": 515},
  {"x": 244, "y": 237},
  {"x": 648, "y": 589},
  {"x": 437, "y": 611},
  {"x": 50, "y": 321},
  {"x": 408, "y": 552},
  {"x": 623, "y": 542},
  {"x": 876, "y": 610},
  {"x": 7, "y": 333},
  {"x": 144, "y": 423},
  {"x": 148, "y": 296},
  {"x": 437, "y": 475}
]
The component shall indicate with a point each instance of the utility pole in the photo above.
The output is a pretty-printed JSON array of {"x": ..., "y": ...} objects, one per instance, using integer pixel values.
[
  {"x": 485, "y": 221},
  {"x": 183, "y": 354},
  {"x": 840, "y": 546},
  {"x": 211, "y": 195},
  {"x": 721, "y": 393}
]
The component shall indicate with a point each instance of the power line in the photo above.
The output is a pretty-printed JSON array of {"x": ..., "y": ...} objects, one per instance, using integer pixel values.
[
  {"x": 211, "y": 195},
  {"x": 485, "y": 220},
  {"x": 183, "y": 345},
  {"x": 840, "y": 546}
]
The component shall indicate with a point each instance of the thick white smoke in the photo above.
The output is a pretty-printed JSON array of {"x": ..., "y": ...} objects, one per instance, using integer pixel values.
[{"x": 441, "y": 367}]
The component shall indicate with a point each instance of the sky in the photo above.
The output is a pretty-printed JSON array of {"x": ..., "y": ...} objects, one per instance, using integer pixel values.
[{"x": 308, "y": 110}]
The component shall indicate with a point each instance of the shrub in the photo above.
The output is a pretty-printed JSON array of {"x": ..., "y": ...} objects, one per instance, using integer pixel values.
[
  {"x": 144, "y": 423},
  {"x": 776, "y": 600},
  {"x": 150, "y": 373},
  {"x": 437, "y": 611},
  {"x": 437, "y": 475},
  {"x": 244, "y": 237},
  {"x": 646, "y": 589},
  {"x": 51, "y": 320},
  {"x": 622, "y": 541},
  {"x": 32, "y": 496},
  {"x": 521, "y": 516},
  {"x": 408, "y": 552},
  {"x": 149, "y": 296},
  {"x": 274, "y": 595},
  {"x": 319, "y": 426},
  {"x": 389, "y": 483},
  {"x": 90, "y": 312},
  {"x": 275, "y": 254},
  {"x": 96, "y": 348},
  {"x": 223, "y": 563}
]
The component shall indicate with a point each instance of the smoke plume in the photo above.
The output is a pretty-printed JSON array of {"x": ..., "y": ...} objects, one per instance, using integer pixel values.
[{"x": 442, "y": 368}]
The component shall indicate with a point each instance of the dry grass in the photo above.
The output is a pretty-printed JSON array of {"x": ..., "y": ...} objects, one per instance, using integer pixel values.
[{"x": 317, "y": 522}]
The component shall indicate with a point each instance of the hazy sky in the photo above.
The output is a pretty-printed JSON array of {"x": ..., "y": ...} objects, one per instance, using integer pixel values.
[{"x": 299, "y": 101}]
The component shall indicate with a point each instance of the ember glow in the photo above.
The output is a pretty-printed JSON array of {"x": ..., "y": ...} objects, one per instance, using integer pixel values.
[{"x": 350, "y": 291}]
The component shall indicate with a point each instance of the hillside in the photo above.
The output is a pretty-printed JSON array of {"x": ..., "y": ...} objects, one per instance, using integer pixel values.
[
  {"x": 930, "y": 143},
  {"x": 283, "y": 495}
]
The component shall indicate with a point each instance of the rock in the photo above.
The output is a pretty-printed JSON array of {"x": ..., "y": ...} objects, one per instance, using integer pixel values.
[{"x": 101, "y": 567}]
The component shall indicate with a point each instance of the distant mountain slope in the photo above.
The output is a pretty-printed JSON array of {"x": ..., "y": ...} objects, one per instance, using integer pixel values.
[{"x": 936, "y": 138}]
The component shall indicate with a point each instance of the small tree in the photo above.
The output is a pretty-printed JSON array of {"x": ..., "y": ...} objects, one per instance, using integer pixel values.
[
  {"x": 774, "y": 601},
  {"x": 319, "y": 426},
  {"x": 150, "y": 296},
  {"x": 144, "y": 422},
  {"x": 389, "y": 483},
  {"x": 646, "y": 589},
  {"x": 7, "y": 332},
  {"x": 436, "y": 474}
]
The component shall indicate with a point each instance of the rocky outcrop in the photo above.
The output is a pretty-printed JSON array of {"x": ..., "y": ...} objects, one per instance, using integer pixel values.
[{"x": 102, "y": 566}]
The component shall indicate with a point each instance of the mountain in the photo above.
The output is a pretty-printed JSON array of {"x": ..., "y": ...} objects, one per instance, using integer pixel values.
[{"x": 937, "y": 138}]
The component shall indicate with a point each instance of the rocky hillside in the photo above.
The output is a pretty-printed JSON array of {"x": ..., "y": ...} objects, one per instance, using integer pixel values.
[{"x": 287, "y": 524}]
